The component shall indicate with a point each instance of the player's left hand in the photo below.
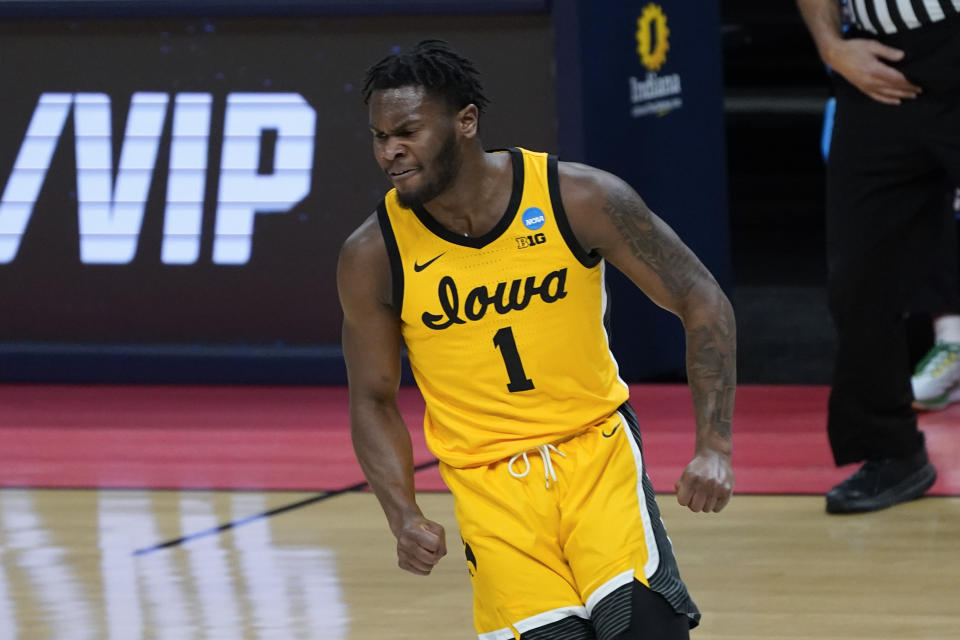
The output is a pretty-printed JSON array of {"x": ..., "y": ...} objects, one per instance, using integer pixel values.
[{"x": 707, "y": 482}]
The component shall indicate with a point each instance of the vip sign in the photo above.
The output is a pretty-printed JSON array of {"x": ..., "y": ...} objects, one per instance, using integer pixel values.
[{"x": 111, "y": 204}]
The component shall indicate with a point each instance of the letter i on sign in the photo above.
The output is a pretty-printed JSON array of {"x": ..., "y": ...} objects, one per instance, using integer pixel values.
[{"x": 187, "y": 179}]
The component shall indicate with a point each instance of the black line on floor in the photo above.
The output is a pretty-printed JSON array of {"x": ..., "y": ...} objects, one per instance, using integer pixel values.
[{"x": 266, "y": 514}]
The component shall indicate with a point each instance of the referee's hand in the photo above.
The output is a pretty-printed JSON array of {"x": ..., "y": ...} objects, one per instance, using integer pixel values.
[{"x": 866, "y": 65}]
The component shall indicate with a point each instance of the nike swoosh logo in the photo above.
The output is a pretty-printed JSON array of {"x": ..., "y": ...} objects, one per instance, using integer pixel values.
[
  {"x": 610, "y": 435},
  {"x": 420, "y": 267}
]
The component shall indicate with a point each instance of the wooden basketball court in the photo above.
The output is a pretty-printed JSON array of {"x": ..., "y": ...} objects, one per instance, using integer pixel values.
[{"x": 173, "y": 542}]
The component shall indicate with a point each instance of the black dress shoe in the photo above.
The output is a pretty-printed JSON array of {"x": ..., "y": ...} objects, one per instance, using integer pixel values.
[{"x": 879, "y": 484}]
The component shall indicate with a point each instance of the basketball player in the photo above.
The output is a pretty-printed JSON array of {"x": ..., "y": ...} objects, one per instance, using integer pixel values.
[{"x": 489, "y": 267}]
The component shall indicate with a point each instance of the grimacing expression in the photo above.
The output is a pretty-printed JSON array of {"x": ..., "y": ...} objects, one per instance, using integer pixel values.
[{"x": 414, "y": 142}]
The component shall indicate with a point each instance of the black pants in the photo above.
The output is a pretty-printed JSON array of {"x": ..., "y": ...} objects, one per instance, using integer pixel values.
[{"x": 889, "y": 177}]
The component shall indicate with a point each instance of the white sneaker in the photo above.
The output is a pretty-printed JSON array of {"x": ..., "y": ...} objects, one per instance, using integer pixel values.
[{"x": 936, "y": 382}]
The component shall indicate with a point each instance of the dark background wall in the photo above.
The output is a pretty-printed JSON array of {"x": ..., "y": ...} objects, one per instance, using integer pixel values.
[{"x": 775, "y": 90}]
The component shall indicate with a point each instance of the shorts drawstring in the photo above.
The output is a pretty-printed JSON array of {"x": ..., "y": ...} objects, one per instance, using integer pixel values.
[{"x": 544, "y": 451}]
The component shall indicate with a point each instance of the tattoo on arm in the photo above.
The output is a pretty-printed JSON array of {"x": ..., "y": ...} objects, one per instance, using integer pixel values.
[
  {"x": 711, "y": 345},
  {"x": 671, "y": 261},
  {"x": 711, "y": 369}
]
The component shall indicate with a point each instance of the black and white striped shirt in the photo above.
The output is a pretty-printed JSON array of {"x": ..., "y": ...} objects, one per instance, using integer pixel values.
[{"x": 895, "y": 16}]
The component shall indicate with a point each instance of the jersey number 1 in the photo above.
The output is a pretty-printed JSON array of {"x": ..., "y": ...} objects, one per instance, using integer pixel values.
[{"x": 504, "y": 341}]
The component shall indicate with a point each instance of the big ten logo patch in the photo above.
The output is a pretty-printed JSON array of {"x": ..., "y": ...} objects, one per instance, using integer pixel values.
[{"x": 530, "y": 241}]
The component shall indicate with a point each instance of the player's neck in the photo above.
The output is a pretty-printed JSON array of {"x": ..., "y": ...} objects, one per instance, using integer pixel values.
[{"x": 478, "y": 197}]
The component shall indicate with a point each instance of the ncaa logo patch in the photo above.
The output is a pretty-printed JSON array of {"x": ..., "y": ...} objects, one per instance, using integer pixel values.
[{"x": 533, "y": 218}]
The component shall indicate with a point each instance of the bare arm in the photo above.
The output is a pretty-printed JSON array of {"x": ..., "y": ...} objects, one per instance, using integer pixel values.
[
  {"x": 371, "y": 348},
  {"x": 860, "y": 61},
  {"x": 609, "y": 217}
]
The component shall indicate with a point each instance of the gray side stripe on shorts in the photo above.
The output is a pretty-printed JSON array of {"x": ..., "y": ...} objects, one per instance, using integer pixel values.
[
  {"x": 611, "y": 616},
  {"x": 666, "y": 580}
]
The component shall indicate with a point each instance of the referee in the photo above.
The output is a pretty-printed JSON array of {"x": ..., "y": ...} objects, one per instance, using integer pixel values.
[{"x": 895, "y": 151}]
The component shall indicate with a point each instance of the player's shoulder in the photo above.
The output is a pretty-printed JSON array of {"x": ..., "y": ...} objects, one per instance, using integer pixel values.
[
  {"x": 363, "y": 257},
  {"x": 365, "y": 243},
  {"x": 585, "y": 185},
  {"x": 363, "y": 268}
]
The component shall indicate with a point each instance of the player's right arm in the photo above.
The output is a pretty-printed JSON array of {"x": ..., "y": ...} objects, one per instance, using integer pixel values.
[
  {"x": 371, "y": 349},
  {"x": 860, "y": 60}
]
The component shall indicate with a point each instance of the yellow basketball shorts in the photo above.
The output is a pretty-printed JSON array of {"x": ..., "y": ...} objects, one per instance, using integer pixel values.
[{"x": 556, "y": 536}]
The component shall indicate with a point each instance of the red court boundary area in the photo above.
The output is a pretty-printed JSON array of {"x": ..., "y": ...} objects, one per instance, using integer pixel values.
[{"x": 297, "y": 438}]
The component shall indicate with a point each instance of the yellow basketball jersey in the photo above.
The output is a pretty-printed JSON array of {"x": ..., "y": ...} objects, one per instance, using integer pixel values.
[{"x": 505, "y": 332}]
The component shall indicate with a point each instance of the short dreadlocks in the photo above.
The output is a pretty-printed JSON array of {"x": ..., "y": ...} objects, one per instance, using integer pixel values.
[{"x": 433, "y": 65}]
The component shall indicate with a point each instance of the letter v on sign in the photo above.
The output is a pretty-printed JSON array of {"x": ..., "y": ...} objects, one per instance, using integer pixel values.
[{"x": 30, "y": 170}]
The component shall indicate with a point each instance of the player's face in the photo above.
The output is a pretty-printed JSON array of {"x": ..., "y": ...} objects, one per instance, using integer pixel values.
[{"x": 414, "y": 142}]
